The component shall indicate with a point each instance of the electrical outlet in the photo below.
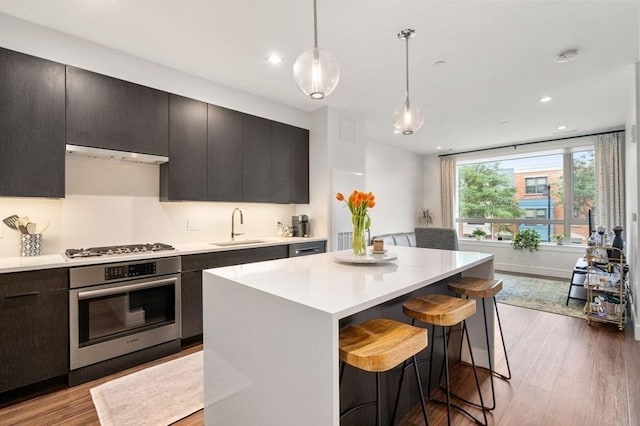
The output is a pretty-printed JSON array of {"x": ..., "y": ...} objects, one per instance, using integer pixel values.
[{"x": 193, "y": 225}]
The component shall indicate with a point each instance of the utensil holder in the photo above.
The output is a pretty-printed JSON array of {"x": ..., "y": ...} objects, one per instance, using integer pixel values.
[{"x": 30, "y": 244}]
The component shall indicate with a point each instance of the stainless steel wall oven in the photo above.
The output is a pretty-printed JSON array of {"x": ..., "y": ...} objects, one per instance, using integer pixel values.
[{"x": 120, "y": 308}]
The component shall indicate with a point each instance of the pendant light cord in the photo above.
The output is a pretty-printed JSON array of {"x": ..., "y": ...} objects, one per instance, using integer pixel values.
[
  {"x": 407, "y": 63},
  {"x": 315, "y": 25}
]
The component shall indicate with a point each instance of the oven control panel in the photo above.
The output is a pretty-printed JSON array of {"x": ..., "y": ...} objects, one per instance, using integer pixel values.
[{"x": 129, "y": 271}]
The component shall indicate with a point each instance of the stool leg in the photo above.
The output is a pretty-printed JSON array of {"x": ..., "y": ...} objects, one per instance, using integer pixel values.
[
  {"x": 419, "y": 383},
  {"x": 504, "y": 346},
  {"x": 433, "y": 331},
  {"x": 378, "y": 410},
  {"x": 422, "y": 403},
  {"x": 395, "y": 406},
  {"x": 486, "y": 334},
  {"x": 475, "y": 375},
  {"x": 446, "y": 374},
  {"x": 342, "y": 365}
]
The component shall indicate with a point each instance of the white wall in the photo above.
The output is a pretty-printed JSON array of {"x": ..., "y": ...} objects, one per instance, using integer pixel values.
[
  {"x": 395, "y": 177},
  {"x": 632, "y": 196},
  {"x": 550, "y": 260}
]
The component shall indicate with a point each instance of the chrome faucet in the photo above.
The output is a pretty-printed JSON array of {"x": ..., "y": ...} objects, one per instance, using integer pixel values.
[{"x": 233, "y": 233}]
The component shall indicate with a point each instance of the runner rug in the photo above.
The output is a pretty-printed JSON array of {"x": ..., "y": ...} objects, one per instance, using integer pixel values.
[{"x": 158, "y": 395}]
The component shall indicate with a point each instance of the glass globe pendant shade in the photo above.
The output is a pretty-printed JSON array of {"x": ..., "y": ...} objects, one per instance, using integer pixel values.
[
  {"x": 316, "y": 73},
  {"x": 407, "y": 118}
]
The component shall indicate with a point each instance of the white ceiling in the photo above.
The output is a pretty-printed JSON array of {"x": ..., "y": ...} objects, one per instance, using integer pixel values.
[{"x": 500, "y": 57}]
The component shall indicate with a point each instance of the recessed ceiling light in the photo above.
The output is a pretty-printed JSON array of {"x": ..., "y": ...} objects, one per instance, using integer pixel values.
[
  {"x": 440, "y": 63},
  {"x": 562, "y": 127},
  {"x": 545, "y": 99},
  {"x": 274, "y": 59},
  {"x": 505, "y": 123},
  {"x": 438, "y": 148}
]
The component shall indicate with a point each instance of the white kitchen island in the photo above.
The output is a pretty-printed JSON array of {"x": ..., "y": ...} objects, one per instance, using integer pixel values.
[{"x": 271, "y": 328}]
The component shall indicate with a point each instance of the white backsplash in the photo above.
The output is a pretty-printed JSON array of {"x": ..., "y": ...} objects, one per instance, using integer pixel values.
[{"x": 110, "y": 202}]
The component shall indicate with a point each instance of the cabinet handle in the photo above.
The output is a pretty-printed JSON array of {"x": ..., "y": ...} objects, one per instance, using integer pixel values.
[
  {"x": 307, "y": 250},
  {"x": 15, "y": 296}
]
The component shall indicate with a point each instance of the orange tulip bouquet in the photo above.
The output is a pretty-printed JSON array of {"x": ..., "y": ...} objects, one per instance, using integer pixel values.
[{"x": 358, "y": 204}]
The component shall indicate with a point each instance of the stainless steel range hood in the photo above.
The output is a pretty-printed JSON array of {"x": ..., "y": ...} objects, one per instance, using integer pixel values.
[{"x": 133, "y": 157}]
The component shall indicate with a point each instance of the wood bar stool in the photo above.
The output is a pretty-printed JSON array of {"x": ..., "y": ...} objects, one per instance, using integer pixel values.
[
  {"x": 483, "y": 288},
  {"x": 445, "y": 311},
  {"x": 379, "y": 345}
]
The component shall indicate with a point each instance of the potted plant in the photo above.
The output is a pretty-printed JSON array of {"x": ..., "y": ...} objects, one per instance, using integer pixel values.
[
  {"x": 479, "y": 233},
  {"x": 559, "y": 238},
  {"x": 425, "y": 217},
  {"x": 528, "y": 239}
]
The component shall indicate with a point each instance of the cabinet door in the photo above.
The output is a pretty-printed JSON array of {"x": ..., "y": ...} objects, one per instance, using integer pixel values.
[
  {"x": 281, "y": 163},
  {"x": 34, "y": 313},
  {"x": 31, "y": 126},
  {"x": 184, "y": 177},
  {"x": 256, "y": 159},
  {"x": 224, "y": 176},
  {"x": 299, "y": 166},
  {"x": 105, "y": 112},
  {"x": 191, "y": 303}
]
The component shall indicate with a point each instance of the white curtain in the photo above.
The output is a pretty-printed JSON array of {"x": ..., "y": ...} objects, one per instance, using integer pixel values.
[
  {"x": 447, "y": 189},
  {"x": 609, "y": 156}
]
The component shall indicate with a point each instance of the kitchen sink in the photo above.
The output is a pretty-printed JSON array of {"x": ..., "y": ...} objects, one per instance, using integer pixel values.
[{"x": 237, "y": 243}]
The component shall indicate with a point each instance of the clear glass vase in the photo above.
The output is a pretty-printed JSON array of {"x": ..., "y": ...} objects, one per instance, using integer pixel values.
[{"x": 359, "y": 240}]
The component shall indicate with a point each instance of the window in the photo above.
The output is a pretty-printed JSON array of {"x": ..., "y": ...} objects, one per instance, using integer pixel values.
[
  {"x": 535, "y": 185},
  {"x": 535, "y": 213},
  {"x": 551, "y": 192}
]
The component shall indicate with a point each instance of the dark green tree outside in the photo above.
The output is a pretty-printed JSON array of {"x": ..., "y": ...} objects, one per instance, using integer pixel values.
[{"x": 486, "y": 192}]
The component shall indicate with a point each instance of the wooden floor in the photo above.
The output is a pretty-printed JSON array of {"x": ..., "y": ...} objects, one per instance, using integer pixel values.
[{"x": 564, "y": 373}]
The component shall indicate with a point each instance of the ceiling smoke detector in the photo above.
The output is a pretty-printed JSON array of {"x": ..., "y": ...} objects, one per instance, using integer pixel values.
[{"x": 567, "y": 56}]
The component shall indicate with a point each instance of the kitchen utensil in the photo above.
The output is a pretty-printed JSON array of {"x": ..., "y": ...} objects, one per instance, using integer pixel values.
[
  {"x": 10, "y": 221},
  {"x": 31, "y": 228},
  {"x": 21, "y": 223},
  {"x": 42, "y": 227}
]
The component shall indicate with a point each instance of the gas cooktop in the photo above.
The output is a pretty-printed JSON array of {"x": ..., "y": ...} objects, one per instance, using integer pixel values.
[{"x": 117, "y": 250}]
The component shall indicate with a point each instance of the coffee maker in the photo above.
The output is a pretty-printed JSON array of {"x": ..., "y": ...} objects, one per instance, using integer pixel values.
[{"x": 300, "y": 225}]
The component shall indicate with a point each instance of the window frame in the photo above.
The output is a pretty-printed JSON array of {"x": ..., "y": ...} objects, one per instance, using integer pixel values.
[
  {"x": 568, "y": 219},
  {"x": 536, "y": 186}
]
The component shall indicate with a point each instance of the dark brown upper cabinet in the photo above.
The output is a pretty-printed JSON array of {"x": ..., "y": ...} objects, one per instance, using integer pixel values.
[
  {"x": 299, "y": 165},
  {"x": 290, "y": 164},
  {"x": 105, "y": 112},
  {"x": 32, "y": 144},
  {"x": 184, "y": 177},
  {"x": 281, "y": 163},
  {"x": 256, "y": 159},
  {"x": 224, "y": 176}
]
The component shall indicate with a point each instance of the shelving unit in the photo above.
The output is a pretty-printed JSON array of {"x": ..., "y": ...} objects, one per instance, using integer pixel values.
[{"x": 606, "y": 285}]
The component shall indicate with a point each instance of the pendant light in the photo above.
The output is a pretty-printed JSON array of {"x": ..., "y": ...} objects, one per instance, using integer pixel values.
[
  {"x": 316, "y": 71},
  {"x": 407, "y": 117}
]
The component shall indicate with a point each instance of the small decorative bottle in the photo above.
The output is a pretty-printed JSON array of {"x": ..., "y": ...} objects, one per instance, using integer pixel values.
[{"x": 618, "y": 242}]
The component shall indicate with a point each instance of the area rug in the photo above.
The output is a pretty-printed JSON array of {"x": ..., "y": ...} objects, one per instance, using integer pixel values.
[
  {"x": 158, "y": 395},
  {"x": 547, "y": 295}
]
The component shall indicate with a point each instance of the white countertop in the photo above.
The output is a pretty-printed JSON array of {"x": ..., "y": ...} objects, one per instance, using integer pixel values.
[
  {"x": 340, "y": 289},
  {"x": 58, "y": 260}
]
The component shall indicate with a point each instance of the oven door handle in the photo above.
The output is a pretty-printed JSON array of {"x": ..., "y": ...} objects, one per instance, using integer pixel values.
[{"x": 92, "y": 294}]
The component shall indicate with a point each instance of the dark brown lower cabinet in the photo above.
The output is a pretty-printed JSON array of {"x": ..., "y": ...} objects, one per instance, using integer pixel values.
[
  {"x": 34, "y": 325},
  {"x": 191, "y": 298}
]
